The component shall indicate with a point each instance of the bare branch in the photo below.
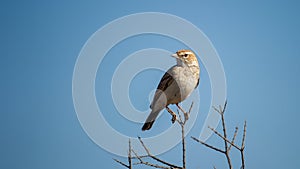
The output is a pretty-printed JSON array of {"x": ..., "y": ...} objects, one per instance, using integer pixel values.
[
  {"x": 187, "y": 115},
  {"x": 222, "y": 111},
  {"x": 180, "y": 109},
  {"x": 217, "y": 110},
  {"x": 227, "y": 144},
  {"x": 147, "y": 163},
  {"x": 225, "y": 105},
  {"x": 155, "y": 158},
  {"x": 183, "y": 144},
  {"x": 243, "y": 146},
  {"x": 191, "y": 107},
  {"x": 233, "y": 138},
  {"x": 209, "y": 146},
  {"x": 180, "y": 121},
  {"x": 129, "y": 155},
  {"x": 244, "y": 135},
  {"x": 217, "y": 133},
  {"x": 243, "y": 159},
  {"x": 120, "y": 162},
  {"x": 129, "y": 166},
  {"x": 182, "y": 124}
]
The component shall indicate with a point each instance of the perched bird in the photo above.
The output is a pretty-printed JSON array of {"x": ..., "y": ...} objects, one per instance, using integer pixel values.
[{"x": 175, "y": 86}]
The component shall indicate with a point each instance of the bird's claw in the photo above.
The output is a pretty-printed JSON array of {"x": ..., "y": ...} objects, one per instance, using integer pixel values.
[
  {"x": 173, "y": 118},
  {"x": 172, "y": 113}
]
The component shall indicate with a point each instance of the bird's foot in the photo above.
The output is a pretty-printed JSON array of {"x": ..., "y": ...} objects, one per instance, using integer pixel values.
[
  {"x": 173, "y": 114},
  {"x": 173, "y": 118}
]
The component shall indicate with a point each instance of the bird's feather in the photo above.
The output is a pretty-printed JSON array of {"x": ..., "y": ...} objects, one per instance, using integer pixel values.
[{"x": 164, "y": 83}]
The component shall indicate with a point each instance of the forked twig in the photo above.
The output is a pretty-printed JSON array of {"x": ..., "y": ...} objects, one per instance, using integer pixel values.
[
  {"x": 182, "y": 123},
  {"x": 147, "y": 163},
  {"x": 243, "y": 146},
  {"x": 129, "y": 166},
  {"x": 227, "y": 143},
  {"x": 154, "y": 157}
]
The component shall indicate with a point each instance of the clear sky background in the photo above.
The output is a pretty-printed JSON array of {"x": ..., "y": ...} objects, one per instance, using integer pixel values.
[{"x": 258, "y": 43}]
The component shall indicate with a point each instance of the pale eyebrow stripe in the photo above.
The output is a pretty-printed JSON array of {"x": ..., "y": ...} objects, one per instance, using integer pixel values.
[{"x": 189, "y": 53}]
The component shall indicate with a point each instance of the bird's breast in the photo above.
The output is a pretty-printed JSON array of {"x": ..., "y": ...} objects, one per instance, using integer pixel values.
[{"x": 185, "y": 83}]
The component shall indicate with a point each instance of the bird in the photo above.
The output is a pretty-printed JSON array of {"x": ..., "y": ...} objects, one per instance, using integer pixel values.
[{"x": 175, "y": 85}]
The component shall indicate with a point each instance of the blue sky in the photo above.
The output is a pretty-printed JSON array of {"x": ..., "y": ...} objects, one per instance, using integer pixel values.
[{"x": 258, "y": 43}]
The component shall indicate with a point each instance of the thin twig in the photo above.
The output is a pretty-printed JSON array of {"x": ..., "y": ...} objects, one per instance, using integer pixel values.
[
  {"x": 183, "y": 146},
  {"x": 243, "y": 159},
  {"x": 244, "y": 135},
  {"x": 155, "y": 158},
  {"x": 120, "y": 162},
  {"x": 182, "y": 124},
  {"x": 233, "y": 138},
  {"x": 225, "y": 105},
  {"x": 180, "y": 109},
  {"x": 221, "y": 112},
  {"x": 217, "y": 133},
  {"x": 191, "y": 107},
  {"x": 179, "y": 120},
  {"x": 243, "y": 146},
  {"x": 147, "y": 163},
  {"x": 207, "y": 145},
  {"x": 152, "y": 165},
  {"x": 129, "y": 166},
  {"x": 187, "y": 115},
  {"x": 227, "y": 144},
  {"x": 129, "y": 155}
]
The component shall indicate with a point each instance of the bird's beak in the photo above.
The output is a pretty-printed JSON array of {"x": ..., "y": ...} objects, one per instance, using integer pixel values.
[{"x": 175, "y": 55}]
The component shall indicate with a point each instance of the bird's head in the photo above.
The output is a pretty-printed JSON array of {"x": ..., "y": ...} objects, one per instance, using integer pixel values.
[{"x": 186, "y": 57}]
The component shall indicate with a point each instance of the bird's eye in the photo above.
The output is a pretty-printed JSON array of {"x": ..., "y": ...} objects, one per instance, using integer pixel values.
[{"x": 185, "y": 55}]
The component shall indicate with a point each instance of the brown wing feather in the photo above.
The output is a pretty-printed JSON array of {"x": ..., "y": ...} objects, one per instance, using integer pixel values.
[{"x": 164, "y": 83}]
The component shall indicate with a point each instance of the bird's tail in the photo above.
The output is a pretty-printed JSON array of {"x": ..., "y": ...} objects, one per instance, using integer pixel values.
[
  {"x": 150, "y": 120},
  {"x": 147, "y": 125}
]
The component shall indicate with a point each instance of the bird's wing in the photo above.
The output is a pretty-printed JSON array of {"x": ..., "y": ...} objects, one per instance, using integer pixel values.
[{"x": 164, "y": 83}]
